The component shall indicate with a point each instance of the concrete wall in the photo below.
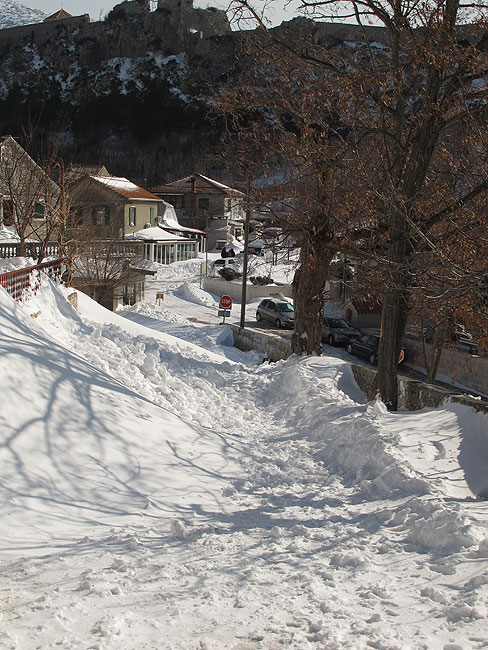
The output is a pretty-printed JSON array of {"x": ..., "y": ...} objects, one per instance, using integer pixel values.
[
  {"x": 273, "y": 346},
  {"x": 467, "y": 369},
  {"x": 234, "y": 289}
]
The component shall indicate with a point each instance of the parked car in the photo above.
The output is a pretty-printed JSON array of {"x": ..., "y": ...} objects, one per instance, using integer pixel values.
[
  {"x": 336, "y": 331},
  {"x": 278, "y": 312},
  {"x": 221, "y": 262},
  {"x": 366, "y": 347},
  {"x": 460, "y": 338}
]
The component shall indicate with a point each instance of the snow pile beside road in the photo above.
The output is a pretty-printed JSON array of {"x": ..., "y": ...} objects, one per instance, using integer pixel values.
[
  {"x": 192, "y": 293},
  {"x": 157, "y": 311},
  {"x": 180, "y": 270}
]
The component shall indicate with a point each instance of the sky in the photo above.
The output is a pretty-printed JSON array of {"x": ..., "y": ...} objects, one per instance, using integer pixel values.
[
  {"x": 166, "y": 490},
  {"x": 98, "y": 9}
]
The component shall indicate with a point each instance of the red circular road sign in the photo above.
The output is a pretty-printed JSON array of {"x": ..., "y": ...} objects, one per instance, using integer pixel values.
[{"x": 225, "y": 302}]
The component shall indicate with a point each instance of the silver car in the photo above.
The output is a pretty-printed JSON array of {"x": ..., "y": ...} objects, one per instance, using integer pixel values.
[{"x": 278, "y": 312}]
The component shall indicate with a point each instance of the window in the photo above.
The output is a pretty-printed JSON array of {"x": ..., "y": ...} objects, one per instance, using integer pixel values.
[
  {"x": 151, "y": 216},
  {"x": 129, "y": 295},
  {"x": 203, "y": 203},
  {"x": 101, "y": 215},
  {"x": 76, "y": 216},
  {"x": 132, "y": 216},
  {"x": 38, "y": 211},
  {"x": 228, "y": 203}
]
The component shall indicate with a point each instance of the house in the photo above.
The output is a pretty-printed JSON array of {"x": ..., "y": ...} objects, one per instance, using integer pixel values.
[
  {"x": 29, "y": 198},
  {"x": 76, "y": 171},
  {"x": 112, "y": 279},
  {"x": 115, "y": 208},
  {"x": 169, "y": 222},
  {"x": 362, "y": 311},
  {"x": 111, "y": 206},
  {"x": 164, "y": 247},
  {"x": 203, "y": 203}
]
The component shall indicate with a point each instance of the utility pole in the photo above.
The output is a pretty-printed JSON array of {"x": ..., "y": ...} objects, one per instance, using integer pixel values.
[{"x": 246, "y": 255}]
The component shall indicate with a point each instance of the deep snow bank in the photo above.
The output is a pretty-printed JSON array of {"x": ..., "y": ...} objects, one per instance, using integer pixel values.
[
  {"x": 78, "y": 447},
  {"x": 376, "y": 454},
  {"x": 265, "y": 506}
]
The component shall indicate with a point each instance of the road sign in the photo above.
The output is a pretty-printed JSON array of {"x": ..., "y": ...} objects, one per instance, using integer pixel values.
[
  {"x": 224, "y": 312},
  {"x": 225, "y": 302}
]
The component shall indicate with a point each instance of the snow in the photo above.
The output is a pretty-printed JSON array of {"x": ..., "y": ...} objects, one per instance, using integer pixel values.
[
  {"x": 155, "y": 234},
  {"x": 162, "y": 489},
  {"x": 8, "y": 234},
  {"x": 14, "y": 14},
  {"x": 118, "y": 183}
]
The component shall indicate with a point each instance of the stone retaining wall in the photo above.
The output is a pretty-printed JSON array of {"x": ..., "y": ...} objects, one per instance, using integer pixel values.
[
  {"x": 414, "y": 394},
  {"x": 467, "y": 369},
  {"x": 273, "y": 346}
]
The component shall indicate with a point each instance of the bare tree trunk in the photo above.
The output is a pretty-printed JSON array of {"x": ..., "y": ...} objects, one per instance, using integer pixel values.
[
  {"x": 308, "y": 296},
  {"x": 393, "y": 319},
  {"x": 394, "y": 312},
  {"x": 433, "y": 367}
]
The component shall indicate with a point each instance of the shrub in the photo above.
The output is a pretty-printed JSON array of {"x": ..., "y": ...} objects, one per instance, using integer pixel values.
[
  {"x": 261, "y": 280},
  {"x": 229, "y": 274}
]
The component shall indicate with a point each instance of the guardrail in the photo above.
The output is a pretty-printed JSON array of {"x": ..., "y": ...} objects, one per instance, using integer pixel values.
[
  {"x": 17, "y": 282},
  {"x": 33, "y": 249}
]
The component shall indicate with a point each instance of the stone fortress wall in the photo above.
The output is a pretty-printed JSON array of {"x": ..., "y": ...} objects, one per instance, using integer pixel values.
[
  {"x": 132, "y": 29},
  {"x": 128, "y": 30},
  {"x": 40, "y": 32}
]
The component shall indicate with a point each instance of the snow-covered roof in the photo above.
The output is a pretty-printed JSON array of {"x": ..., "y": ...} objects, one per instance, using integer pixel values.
[
  {"x": 155, "y": 234},
  {"x": 126, "y": 188},
  {"x": 8, "y": 234},
  {"x": 170, "y": 221}
]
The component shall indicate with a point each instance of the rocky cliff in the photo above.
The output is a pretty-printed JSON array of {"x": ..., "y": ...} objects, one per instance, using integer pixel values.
[{"x": 127, "y": 91}]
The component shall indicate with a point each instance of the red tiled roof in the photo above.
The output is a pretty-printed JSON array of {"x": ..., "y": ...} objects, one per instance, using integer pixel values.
[
  {"x": 126, "y": 188},
  {"x": 366, "y": 304},
  {"x": 59, "y": 15}
]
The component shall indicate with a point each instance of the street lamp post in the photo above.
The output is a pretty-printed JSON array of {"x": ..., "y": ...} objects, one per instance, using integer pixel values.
[{"x": 246, "y": 255}]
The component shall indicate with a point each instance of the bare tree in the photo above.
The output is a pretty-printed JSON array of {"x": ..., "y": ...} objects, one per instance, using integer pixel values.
[
  {"x": 282, "y": 126},
  {"x": 32, "y": 201},
  {"x": 402, "y": 102}
]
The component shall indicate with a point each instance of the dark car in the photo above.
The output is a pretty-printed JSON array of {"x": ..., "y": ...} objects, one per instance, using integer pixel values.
[
  {"x": 278, "y": 312},
  {"x": 336, "y": 331},
  {"x": 367, "y": 348}
]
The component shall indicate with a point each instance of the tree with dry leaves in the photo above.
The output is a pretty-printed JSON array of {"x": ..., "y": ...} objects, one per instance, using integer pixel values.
[
  {"x": 402, "y": 103},
  {"x": 282, "y": 130}
]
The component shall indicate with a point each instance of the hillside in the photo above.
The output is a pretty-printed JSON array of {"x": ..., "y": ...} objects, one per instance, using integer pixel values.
[
  {"x": 13, "y": 14},
  {"x": 131, "y": 91},
  {"x": 160, "y": 493}
]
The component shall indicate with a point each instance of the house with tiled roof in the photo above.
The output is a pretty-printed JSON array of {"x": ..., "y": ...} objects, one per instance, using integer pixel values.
[
  {"x": 362, "y": 311},
  {"x": 206, "y": 204},
  {"x": 112, "y": 206}
]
